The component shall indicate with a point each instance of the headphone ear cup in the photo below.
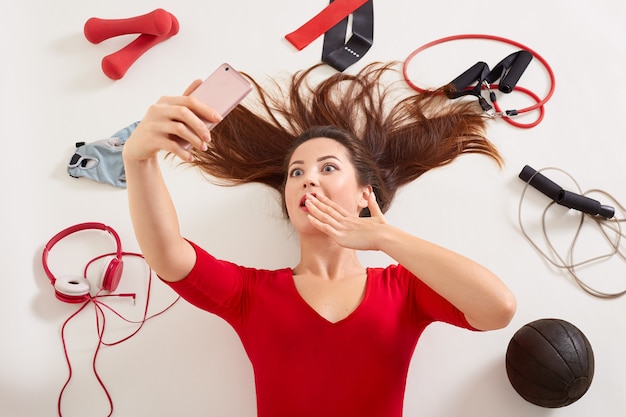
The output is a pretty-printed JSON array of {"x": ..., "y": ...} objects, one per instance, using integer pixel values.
[
  {"x": 72, "y": 289},
  {"x": 111, "y": 273}
]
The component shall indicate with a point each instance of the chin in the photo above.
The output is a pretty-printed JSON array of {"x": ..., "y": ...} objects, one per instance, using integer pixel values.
[{"x": 302, "y": 225}]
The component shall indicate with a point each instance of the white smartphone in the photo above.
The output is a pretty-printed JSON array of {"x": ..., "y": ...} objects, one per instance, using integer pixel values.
[{"x": 223, "y": 90}]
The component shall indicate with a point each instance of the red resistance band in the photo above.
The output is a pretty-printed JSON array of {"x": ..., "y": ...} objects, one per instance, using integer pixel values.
[
  {"x": 486, "y": 78},
  {"x": 322, "y": 22}
]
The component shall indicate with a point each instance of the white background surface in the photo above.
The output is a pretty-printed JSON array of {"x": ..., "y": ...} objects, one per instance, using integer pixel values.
[{"x": 189, "y": 363}]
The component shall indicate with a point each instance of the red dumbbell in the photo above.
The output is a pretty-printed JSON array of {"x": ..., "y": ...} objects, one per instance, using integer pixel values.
[
  {"x": 158, "y": 22},
  {"x": 153, "y": 27},
  {"x": 116, "y": 64}
]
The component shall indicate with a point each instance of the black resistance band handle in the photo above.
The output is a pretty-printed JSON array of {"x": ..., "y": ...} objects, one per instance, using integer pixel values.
[
  {"x": 509, "y": 70},
  {"x": 565, "y": 198},
  {"x": 476, "y": 72}
]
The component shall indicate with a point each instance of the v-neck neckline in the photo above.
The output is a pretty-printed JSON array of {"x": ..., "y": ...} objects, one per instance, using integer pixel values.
[{"x": 316, "y": 314}]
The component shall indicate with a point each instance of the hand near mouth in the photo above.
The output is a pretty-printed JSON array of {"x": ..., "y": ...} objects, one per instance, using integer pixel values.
[
  {"x": 348, "y": 230},
  {"x": 304, "y": 198}
]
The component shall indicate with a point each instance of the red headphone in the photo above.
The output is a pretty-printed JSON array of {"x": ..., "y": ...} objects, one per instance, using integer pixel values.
[{"x": 76, "y": 289}]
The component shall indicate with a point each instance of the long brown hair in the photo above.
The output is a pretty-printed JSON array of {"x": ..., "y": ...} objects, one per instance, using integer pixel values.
[{"x": 406, "y": 133}]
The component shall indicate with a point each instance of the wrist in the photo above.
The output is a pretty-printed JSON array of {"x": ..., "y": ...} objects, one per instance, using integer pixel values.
[
  {"x": 386, "y": 237},
  {"x": 132, "y": 158}
]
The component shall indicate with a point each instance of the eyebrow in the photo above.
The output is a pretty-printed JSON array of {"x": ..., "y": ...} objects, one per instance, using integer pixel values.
[{"x": 320, "y": 159}]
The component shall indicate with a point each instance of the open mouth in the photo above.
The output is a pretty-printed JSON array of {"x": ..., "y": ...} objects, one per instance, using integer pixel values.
[{"x": 303, "y": 200}]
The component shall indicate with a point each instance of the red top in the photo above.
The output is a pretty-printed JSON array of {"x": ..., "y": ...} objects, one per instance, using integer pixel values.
[{"x": 305, "y": 365}]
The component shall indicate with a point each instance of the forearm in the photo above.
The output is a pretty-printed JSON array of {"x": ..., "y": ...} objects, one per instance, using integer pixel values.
[
  {"x": 485, "y": 301},
  {"x": 174, "y": 125},
  {"x": 155, "y": 221}
]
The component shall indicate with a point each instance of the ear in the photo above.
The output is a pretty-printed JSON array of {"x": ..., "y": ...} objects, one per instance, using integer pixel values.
[{"x": 364, "y": 197}]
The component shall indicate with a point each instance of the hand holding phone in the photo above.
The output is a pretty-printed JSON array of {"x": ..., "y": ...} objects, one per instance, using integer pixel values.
[{"x": 223, "y": 90}]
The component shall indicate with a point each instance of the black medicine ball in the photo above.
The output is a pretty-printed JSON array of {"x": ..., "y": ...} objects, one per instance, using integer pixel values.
[{"x": 550, "y": 363}]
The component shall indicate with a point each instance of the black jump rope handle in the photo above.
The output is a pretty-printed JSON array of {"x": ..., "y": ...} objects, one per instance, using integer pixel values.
[{"x": 563, "y": 197}]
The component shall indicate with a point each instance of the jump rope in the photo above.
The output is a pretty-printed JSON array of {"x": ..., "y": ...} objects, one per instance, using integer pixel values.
[
  {"x": 100, "y": 309},
  {"x": 507, "y": 71},
  {"x": 601, "y": 217}
]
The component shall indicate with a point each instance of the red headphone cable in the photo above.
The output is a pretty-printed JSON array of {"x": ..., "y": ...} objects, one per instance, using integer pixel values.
[{"x": 101, "y": 325}]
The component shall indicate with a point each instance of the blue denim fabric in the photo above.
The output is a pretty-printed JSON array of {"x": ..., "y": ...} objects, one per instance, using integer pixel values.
[{"x": 101, "y": 160}]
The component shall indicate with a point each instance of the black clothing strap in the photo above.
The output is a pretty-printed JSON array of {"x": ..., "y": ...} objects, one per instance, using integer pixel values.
[{"x": 340, "y": 54}]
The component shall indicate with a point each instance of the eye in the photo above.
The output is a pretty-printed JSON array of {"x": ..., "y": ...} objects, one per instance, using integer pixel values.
[
  {"x": 296, "y": 172},
  {"x": 329, "y": 168}
]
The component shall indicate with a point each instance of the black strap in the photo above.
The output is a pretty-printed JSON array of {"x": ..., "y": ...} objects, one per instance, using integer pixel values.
[{"x": 340, "y": 54}]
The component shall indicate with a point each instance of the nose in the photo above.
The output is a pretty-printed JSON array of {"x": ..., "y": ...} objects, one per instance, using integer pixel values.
[{"x": 309, "y": 181}]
